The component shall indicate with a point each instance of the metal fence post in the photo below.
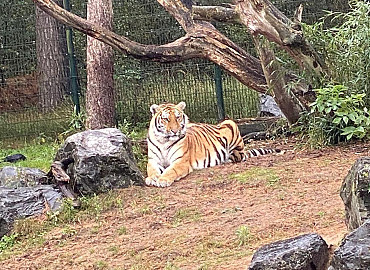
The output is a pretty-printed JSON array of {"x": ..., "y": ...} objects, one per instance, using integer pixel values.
[
  {"x": 219, "y": 93},
  {"x": 72, "y": 63}
]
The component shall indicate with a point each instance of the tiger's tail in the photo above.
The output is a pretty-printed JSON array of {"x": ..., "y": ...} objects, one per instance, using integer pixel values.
[{"x": 255, "y": 152}]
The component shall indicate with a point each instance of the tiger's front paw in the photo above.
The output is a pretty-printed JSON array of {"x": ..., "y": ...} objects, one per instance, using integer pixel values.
[{"x": 157, "y": 182}]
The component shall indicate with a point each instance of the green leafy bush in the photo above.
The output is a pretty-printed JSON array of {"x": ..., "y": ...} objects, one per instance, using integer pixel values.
[
  {"x": 336, "y": 116},
  {"x": 7, "y": 242},
  {"x": 343, "y": 38}
]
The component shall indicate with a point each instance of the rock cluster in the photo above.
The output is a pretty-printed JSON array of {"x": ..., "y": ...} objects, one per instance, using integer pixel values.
[
  {"x": 91, "y": 162},
  {"x": 310, "y": 252}
]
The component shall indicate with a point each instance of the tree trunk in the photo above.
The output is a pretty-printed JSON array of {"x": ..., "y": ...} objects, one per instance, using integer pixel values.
[
  {"x": 100, "y": 88},
  {"x": 52, "y": 63},
  {"x": 275, "y": 76}
]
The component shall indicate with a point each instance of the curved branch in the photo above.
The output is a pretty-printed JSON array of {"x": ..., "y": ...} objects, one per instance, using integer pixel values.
[
  {"x": 201, "y": 41},
  {"x": 263, "y": 18},
  {"x": 171, "y": 52}
]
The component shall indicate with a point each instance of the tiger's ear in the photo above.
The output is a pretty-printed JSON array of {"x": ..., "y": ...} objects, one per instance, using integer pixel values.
[
  {"x": 153, "y": 109},
  {"x": 181, "y": 105}
]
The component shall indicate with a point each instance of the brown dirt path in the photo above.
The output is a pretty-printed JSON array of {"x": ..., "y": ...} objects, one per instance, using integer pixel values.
[{"x": 193, "y": 224}]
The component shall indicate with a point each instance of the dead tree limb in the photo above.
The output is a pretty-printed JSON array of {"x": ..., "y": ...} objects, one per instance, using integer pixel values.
[{"x": 203, "y": 40}]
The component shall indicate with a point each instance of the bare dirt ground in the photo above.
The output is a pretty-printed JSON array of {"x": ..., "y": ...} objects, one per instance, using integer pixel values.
[{"x": 193, "y": 224}]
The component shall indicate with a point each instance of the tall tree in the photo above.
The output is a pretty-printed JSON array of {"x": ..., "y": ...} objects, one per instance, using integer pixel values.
[
  {"x": 100, "y": 88},
  {"x": 52, "y": 63},
  {"x": 203, "y": 40}
]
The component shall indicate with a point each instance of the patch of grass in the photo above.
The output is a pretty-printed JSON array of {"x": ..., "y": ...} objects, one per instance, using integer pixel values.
[
  {"x": 321, "y": 214},
  {"x": 243, "y": 235},
  {"x": 185, "y": 215},
  {"x": 114, "y": 249},
  {"x": 68, "y": 231},
  {"x": 257, "y": 176},
  {"x": 39, "y": 155},
  {"x": 101, "y": 265},
  {"x": 7, "y": 242},
  {"x": 211, "y": 252},
  {"x": 31, "y": 231},
  {"x": 171, "y": 266},
  {"x": 145, "y": 210},
  {"x": 122, "y": 230}
]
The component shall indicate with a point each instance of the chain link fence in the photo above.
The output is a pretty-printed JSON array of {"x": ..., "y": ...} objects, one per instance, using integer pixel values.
[{"x": 36, "y": 93}]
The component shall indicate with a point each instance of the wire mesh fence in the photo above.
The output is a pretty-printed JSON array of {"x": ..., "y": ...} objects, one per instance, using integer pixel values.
[{"x": 35, "y": 78}]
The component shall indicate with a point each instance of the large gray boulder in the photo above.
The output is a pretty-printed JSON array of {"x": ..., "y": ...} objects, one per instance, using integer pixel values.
[
  {"x": 305, "y": 252},
  {"x": 25, "y": 202},
  {"x": 354, "y": 251},
  {"x": 99, "y": 160},
  {"x": 14, "y": 177},
  {"x": 355, "y": 193}
]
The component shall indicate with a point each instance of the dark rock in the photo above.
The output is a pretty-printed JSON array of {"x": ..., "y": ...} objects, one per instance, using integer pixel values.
[
  {"x": 259, "y": 124},
  {"x": 355, "y": 193},
  {"x": 14, "y": 177},
  {"x": 14, "y": 158},
  {"x": 354, "y": 251},
  {"x": 102, "y": 160},
  {"x": 24, "y": 202},
  {"x": 305, "y": 252}
]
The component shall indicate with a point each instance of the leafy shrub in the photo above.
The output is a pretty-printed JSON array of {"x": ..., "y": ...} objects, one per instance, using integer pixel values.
[
  {"x": 340, "y": 112},
  {"x": 7, "y": 242},
  {"x": 336, "y": 116},
  {"x": 343, "y": 38}
]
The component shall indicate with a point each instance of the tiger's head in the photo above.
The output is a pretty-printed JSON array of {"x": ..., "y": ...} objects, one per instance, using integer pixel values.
[{"x": 169, "y": 120}]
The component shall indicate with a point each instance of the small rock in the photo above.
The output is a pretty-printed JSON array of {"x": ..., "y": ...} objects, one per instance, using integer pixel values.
[{"x": 305, "y": 252}]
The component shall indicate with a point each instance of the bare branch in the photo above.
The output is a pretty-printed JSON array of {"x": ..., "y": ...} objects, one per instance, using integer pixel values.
[
  {"x": 201, "y": 41},
  {"x": 261, "y": 17},
  {"x": 171, "y": 52},
  {"x": 216, "y": 13}
]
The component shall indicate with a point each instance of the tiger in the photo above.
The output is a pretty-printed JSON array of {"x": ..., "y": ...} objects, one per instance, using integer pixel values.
[{"x": 176, "y": 147}]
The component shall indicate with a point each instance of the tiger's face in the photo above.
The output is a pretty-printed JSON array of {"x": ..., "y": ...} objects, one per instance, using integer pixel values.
[{"x": 169, "y": 120}]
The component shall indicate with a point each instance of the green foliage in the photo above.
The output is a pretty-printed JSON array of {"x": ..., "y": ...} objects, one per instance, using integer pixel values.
[
  {"x": 256, "y": 176},
  {"x": 336, "y": 116},
  {"x": 186, "y": 215},
  {"x": 243, "y": 234},
  {"x": 343, "y": 38},
  {"x": 340, "y": 112},
  {"x": 6, "y": 242},
  {"x": 40, "y": 154},
  {"x": 136, "y": 134},
  {"x": 76, "y": 122}
]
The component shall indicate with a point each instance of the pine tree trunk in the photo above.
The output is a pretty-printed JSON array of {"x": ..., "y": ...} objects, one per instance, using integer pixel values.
[
  {"x": 100, "y": 88},
  {"x": 52, "y": 62}
]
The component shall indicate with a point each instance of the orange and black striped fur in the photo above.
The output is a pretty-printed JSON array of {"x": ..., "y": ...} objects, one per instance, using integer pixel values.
[{"x": 177, "y": 147}]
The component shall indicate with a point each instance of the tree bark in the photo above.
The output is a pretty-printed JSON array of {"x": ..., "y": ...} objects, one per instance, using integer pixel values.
[
  {"x": 52, "y": 63},
  {"x": 202, "y": 40},
  {"x": 100, "y": 89},
  {"x": 275, "y": 76}
]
